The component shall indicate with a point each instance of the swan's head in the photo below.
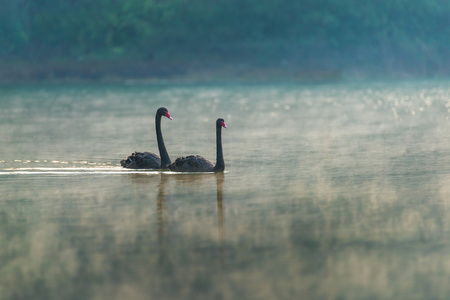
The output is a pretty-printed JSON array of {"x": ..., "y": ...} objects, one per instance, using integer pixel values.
[
  {"x": 221, "y": 123},
  {"x": 162, "y": 111}
]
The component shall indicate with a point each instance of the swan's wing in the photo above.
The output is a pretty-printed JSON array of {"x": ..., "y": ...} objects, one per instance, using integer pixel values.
[
  {"x": 191, "y": 163},
  {"x": 142, "y": 160}
]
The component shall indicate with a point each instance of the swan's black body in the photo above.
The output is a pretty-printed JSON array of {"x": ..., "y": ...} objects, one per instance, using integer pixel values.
[
  {"x": 147, "y": 160},
  {"x": 197, "y": 163}
]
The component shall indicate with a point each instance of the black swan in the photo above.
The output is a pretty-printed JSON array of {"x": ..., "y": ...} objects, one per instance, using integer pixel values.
[
  {"x": 196, "y": 163},
  {"x": 147, "y": 160}
]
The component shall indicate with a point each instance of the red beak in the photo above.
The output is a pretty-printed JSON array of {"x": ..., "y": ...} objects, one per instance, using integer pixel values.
[
  {"x": 224, "y": 125},
  {"x": 168, "y": 116}
]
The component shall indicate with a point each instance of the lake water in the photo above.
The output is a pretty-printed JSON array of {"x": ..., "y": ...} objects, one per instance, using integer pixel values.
[{"x": 331, "y": 191}]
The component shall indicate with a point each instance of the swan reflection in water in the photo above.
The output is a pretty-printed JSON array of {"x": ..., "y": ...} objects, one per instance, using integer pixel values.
[
  {"x": 162, "y": 226},
  {"x": 220, "y": 180},
  {"x": 162, "y": 213}
]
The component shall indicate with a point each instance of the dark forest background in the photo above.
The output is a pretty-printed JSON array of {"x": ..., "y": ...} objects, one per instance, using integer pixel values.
[{"x": 171, "y": 36}]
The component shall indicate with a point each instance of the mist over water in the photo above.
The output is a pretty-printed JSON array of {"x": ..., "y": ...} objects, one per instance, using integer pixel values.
[{"x": 335, "y": 191}]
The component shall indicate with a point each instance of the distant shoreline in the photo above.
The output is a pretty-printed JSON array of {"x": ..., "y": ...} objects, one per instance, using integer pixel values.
[
  {"x": 112, "y": 71},
  {"x": 107, "y": 71}
]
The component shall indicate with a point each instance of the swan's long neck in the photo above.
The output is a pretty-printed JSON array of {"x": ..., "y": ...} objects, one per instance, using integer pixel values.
[
  {"x": 165, "y": 159},
  {"x": 220, "y": 164}
]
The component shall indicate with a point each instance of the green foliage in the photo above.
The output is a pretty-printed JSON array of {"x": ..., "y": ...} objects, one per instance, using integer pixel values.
[{"x": 272, "y": 30}]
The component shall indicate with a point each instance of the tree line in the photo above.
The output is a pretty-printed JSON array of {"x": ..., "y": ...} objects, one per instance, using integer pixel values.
[{"x": 303, "y": 32}]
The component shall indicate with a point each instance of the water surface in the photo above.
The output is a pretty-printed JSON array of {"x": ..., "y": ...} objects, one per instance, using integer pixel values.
[{"x": 337, "y": 191}]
